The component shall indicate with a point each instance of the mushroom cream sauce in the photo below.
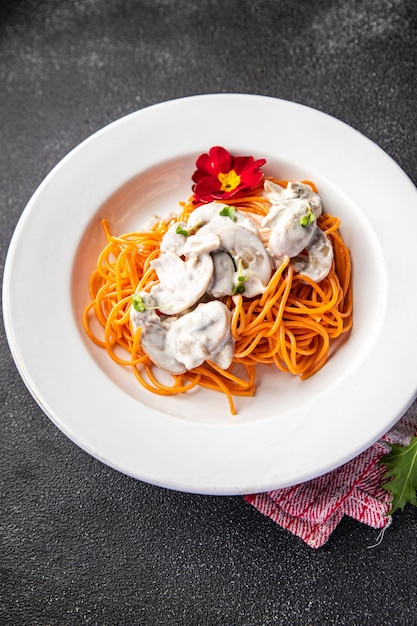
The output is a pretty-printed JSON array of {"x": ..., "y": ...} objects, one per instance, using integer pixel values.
[
  {"x": 205, "y": 297},
  {"x": 221, "y": 251}
]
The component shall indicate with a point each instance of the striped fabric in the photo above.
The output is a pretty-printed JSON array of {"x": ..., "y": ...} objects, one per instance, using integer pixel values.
[{"x": 313, "y": 509}]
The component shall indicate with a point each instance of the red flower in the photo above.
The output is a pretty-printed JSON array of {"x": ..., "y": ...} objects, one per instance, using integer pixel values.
[{"x": 219, "y": 175}]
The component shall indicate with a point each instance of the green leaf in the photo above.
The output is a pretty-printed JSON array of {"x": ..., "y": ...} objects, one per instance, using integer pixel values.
[{"x": 401, "y": 464}]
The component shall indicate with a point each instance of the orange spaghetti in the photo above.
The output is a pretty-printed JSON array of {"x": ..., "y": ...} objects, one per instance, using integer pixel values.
[{"x": 290, "y": 326}]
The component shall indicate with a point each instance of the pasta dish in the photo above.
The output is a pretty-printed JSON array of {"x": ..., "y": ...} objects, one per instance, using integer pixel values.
[{"x": 250, "y": 271}]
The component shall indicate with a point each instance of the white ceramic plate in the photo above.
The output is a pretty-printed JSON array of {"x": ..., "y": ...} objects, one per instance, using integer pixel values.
[{"x": 291, "y": 431}]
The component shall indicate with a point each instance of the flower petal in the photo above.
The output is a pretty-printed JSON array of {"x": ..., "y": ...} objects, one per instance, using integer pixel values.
[
  {"x": 204, "y": 165},
  {"x": 249, "y": 170},
  {"x": 216, "y": 166},
  {"x": 222, "y": 159},
  {"x": 207, "y": 186}
]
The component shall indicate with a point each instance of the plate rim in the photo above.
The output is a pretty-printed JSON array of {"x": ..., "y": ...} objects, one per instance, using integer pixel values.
[{"x": 27, "y": 376}]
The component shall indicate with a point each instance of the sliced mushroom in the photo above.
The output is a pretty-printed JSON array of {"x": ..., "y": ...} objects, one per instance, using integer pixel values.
[
  {"x": 282, "y": 196},
  {"x": 200, "y": 243},
  {"x": 223, "y": 356},
  {"x": 288, "y": 236},
  {"x": 173, "y": 241},
  {"x": 250, "y": 258},
  {"x": 176, "y": 344},
  {"x": 224, "y": 270},
  {"x": 317, "y": 262},
  {"x": 154, "y": 331},
  {"x": 203, "y": 334},
  {"x": 178, "y": 241},
  {"x": 208, "y": 217},
  {"x": 292, "y": 220},
  {"x": 182, "y": 283}
]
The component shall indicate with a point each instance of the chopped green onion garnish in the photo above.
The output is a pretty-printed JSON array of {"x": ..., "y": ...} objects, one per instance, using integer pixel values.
[
  {"x": 138, "y": 303},
  {"x": 229, "y": 211},
  {"x": 309, "y": 218},
  {"x": 239, "y": 288},
  {"x": 181, "y": 231}
]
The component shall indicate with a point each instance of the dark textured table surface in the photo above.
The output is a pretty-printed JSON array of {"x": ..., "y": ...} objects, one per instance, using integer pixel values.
[{"x": 81, "y": 543}]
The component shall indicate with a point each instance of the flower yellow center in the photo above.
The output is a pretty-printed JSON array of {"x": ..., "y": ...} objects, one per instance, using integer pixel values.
[{"x": 229, "y": 180}]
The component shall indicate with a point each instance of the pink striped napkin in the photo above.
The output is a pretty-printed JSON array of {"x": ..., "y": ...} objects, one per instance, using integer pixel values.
[{"x": 313, "y": 509}]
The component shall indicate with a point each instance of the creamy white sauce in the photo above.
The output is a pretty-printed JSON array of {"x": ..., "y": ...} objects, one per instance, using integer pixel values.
[
  {"x": 293, "y": 229},
  {"x": 177, "y": 344},
  {"x": 203, "y": 334},
  {"x": 214, "y": 255},
  {"x": 182, "y": 283}
]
